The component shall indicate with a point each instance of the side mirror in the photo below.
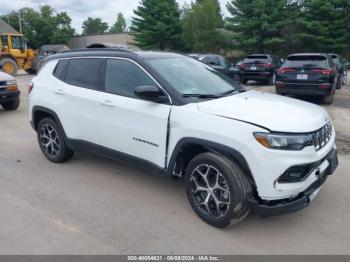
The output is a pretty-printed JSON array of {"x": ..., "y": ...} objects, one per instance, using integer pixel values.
[{"x": 150, "y": 93}]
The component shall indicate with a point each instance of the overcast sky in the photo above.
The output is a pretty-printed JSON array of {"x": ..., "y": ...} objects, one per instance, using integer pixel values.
[{"x": 79, "y": 10}]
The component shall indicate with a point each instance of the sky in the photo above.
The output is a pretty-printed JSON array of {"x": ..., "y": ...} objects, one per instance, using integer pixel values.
[{"x": 80, "y": 10}]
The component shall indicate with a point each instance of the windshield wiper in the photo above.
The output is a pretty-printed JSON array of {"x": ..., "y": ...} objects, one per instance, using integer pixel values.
[
  {"x": 201, "y": 95},
  {"x": 229, "y": 92}
]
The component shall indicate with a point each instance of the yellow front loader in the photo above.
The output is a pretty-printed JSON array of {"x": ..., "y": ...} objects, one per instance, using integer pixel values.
[{"x": 15, "y": 54}]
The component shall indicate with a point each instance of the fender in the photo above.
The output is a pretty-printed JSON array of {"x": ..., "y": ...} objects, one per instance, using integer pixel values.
[
  {"x": 47, "y": 111},
  {"x": 213, "y": 147}
]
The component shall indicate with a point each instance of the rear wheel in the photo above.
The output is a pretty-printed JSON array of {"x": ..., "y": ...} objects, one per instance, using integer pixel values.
[
  {"x": 11, "y": 105},
  {"x": 244, "y": 81},
  {"x": 9, "y": 66},
  {"x": 272, "y": 79},
  {"x": 237, "y": 78},
  {"x": 51, "y": 141},
  {"x": 217, "y": 190},
  {"x": 328, "y": 99}
]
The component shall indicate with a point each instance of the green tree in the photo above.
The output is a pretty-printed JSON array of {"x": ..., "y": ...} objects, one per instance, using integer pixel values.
[
  {"x": 45, "y": 26},
  {"x": 200, "y": 27},
  {"x": 325, "y": 25},
  {"x": 156, "y": 25},
  {"x": 120, "y": 25},
  {"x": 258, "y": 24},
  {"x": 94, "y": 26}
]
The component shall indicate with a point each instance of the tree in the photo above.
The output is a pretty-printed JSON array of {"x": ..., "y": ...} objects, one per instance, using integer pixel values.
[
  {"x": 258, "y": 24},
  {"x": 156, "y": 25},
  {"x": 45, "y": 26},
  {"x": 94, "y": 26},
  {"x": 120, "y": 25},
  {"x": 325, "y": 26},
  {"x": 200, "y": 27}
]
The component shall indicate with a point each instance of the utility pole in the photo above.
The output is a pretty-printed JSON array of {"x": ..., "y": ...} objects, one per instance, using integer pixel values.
[{"x": 20, "y": 22}]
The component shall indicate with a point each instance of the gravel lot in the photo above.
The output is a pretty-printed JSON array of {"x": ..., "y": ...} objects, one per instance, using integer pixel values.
[{"x": 93, "y": 205}]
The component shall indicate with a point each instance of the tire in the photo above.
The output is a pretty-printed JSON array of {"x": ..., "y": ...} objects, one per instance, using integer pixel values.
[
  {"x": 11, "y": 105},
  {"x": 51, "y": 139},
  {"x": 237, "y": 78},
  {"x": 244, "y": 81},
  {"x": 272, "y": 79},
  {"x": 30, "y": 71},
  {"x": 328, "y": 99},
  {"x": 9, "y": 66},
  {"x": 340, "y": 82},
  {"x": 231, "y": 192}
]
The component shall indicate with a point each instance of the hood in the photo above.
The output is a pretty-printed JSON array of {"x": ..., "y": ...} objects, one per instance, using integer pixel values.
[
  {"x": 5, "y": 77},
  {"x": 274, "y": 112}
]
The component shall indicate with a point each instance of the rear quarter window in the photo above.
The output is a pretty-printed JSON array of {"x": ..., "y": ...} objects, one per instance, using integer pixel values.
[
  {"x": 306, "y": 60},
  {"x": 60, "y": 70}
]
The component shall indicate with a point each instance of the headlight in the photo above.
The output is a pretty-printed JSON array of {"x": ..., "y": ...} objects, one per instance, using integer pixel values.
[
  {"x": 283, "y": 141},
  {"x": 11, "y": 82}
]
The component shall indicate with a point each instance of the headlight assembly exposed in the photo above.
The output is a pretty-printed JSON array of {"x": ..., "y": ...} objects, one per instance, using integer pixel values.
[{"x": 283, "y": 141}]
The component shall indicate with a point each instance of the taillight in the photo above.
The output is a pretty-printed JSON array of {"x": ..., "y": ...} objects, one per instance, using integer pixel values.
[
  {"x": 283, "y": 70},
  {"x": 30, "y": 87},
  {"x": 266, "y": 65},
  {"x": 242, "y": 66},
  {"x": 323, "y": 71}
]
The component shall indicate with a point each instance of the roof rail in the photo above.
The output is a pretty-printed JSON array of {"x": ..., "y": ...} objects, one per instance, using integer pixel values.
[{"x": 118, "y": 49}]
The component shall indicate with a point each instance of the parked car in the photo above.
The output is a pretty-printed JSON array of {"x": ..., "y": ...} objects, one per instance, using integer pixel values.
[
  {"x": 176, "y": 116},
  {"x": 219, "y": 63},
  {"x": 260, "y": 67},
  {"x": 342, "y": 72},
  {"x": 9, "y": 93},
  {"x": 308, "y": 74}
]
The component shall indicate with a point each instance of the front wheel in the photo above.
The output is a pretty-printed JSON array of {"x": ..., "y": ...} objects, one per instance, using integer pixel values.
[
  {"x": 328, "y": 99},
  {"x": 51, "y": 141},
  {"x": 217, "y": 190}
]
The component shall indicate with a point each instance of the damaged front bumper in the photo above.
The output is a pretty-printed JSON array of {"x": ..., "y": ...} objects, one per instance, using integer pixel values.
[{"x": 284, "y": 206}]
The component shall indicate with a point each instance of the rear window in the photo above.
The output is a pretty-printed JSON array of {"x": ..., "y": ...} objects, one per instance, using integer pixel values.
[
  {"x": 306, "y": 61},
  {"x": 83, "y": 72},
  {"x": 256, "y": 58}
]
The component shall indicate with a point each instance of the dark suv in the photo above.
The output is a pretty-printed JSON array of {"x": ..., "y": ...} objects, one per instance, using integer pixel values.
[
  {"x": 308, "y": 74},
  {"x": 259, "y": 67},
  {"x": 220, "y": 64}
]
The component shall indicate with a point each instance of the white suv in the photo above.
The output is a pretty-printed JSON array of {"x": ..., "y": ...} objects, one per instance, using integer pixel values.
[{"x": 172, "y": 114}]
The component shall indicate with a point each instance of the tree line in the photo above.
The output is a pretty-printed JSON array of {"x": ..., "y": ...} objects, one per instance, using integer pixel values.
[{"x": 263, "y": 26}]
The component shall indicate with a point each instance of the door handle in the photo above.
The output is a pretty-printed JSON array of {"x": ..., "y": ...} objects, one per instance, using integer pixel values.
[
  {"x": 107, "y": 103},
  {"x": 60, "y": 92}
]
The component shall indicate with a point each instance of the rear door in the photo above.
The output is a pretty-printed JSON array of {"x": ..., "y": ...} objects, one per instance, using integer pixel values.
[
  {"x": 128, "y": 124},
  {"x": 75, "y": 96}
]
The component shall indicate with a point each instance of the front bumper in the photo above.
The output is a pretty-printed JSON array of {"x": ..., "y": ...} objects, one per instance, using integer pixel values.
[
  {"x": 6, "y": 96},
  {"x": 284, "y": 206}
]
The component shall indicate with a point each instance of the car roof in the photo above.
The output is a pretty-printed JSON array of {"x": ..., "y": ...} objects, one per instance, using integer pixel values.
[
  {"x": 308, "y": 54},
  {"x": 112, "y": 52}
]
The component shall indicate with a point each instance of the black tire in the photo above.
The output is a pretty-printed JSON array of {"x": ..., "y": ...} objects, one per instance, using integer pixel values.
[
  {"x": 30, "y": 71},
  {"x": 244, "y": 81},
  {"x": 237, "y": 78},
  {"x": 234, "y": 187},
  {"x": 11, "y": 105},
  {"x": 328, "y": 99},
  {"x": 272, "y": 79},
  {"x": 340, "y": 82},
  {"x": 11, "y": 64},
  {"x": 56, "y": 150}
]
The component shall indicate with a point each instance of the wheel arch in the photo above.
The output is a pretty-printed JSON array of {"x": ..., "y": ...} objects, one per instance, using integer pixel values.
[
  {"x": 2, "y": 56},
  {"x": 189, "y": 147},
  {"x": 39, "y": 112}
]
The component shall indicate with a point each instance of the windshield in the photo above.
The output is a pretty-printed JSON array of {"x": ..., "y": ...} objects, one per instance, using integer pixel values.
[
  {"x": 306, "y": 61},
  {"x": 191, "y": 77}
]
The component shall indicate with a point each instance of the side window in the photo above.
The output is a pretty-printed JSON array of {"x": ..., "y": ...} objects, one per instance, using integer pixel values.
[
  {"x": 84, "y": 72},
  {"x": 60, "y": 70},
  {"x": 122, "y": 77},
  {"x": 213, "y": 60}
]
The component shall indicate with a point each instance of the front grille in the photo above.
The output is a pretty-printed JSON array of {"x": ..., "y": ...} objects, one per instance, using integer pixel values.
[{"x": 321, "y": 137}]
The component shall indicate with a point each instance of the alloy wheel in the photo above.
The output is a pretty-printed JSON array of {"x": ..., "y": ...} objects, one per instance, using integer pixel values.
[
  {"x": 210, "y": 191},
  {"x": 49, "y": 140}
]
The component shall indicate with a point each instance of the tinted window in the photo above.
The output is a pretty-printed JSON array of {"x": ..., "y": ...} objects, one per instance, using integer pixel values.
[
  {"x": 83, "y": 72},
  {"x": 60, "y": 71},
  {"x": 306, "y": 61},
  {"x": 122, "y": 77},
  {"x": 256, "y": 59},
  {"x": 213, "y": 60}
]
